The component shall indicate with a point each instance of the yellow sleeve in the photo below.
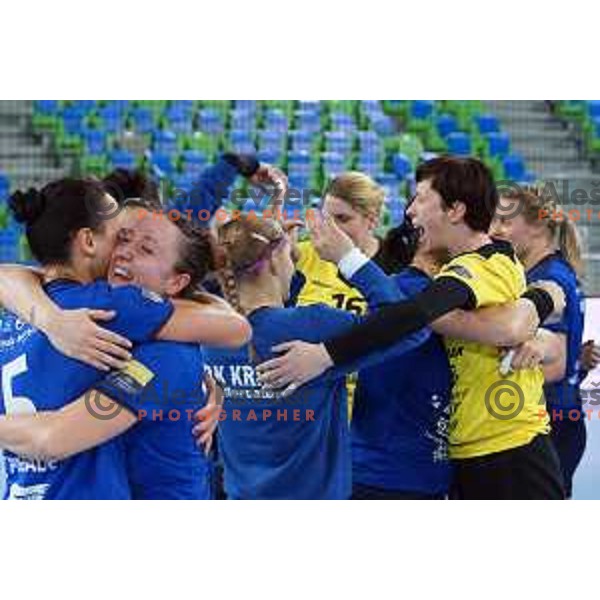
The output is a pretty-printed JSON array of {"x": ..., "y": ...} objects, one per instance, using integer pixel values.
[
  {"x": 305, "y": 256},
  {"x": 494, "y": 280}
]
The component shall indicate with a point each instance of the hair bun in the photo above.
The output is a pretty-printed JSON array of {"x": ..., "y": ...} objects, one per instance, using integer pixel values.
[{"x": 27, "y": 207}]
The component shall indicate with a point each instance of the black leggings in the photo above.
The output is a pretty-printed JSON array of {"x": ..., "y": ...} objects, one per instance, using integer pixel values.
[{"x": 530, "y": 472}]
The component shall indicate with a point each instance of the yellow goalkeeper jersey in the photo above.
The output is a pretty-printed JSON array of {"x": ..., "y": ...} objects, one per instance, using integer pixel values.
[
  {"x": 322, "y": 284},
  {"x": 489, "y": 412}
]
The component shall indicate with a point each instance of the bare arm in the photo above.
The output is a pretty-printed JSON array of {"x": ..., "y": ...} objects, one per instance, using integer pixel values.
[
  {"x": 210, "y": 320},
  {"x": 66, "y": 432},
  {"x": 74, "y": 333},
  {"x": 508, "y": 325},
  {"x": 213, "y": 322}
]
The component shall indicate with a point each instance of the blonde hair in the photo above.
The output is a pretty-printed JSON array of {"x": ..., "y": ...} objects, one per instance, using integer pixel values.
[
  {"x": 540, "y": 206},
  {"x": 359, "y": 191},
  {"x": 244, "y": 246}
]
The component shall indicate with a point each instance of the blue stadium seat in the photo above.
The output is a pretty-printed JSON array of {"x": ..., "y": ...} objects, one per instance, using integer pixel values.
[
  {"x": 373, "y": 107},
  {"x": 193, "y": 161},
  {"x": 184, "y": 182},
  {"x": 368, "y": 139},
  {"x": 270, "y": 156},
  {"x": 421, "y": 109},
  {"x": 487, "y": 124},
  {"x": 307, "y": 120},
  {"x": 143, "y": 119},
  {"x": 244, "y": 148},
  {"x": 242, "y": 119},
  {"x": 113, "y": 118},
  {"x": 342, "y": 121},
  {"x": 4, "y": 186},
  {"x": 73, "y": 120},
  {"x": 299, "y": 157},
  {"x": 514, "y": 167},
  {"x": 593, "y": 108},
  {"x": 95, "y": 141},
  {"x": 310, "y": 106},
  {"x": 302, "y": 140},
  {"x": 446, "y": 124},
  {"x": 211, "y": 121},
  {"x": 240, "y": 136},
  {"x": 459, "y": 143},
  {"x": 276, "y": 120},
  {"x": 383, "y": 125},
  {"x": 402, "y": 165},
  {"x": 86, "y": 106},
  {"x": 269, "y": 139},
  {"x": 47, "y": 107},
  {"x": 498, "y": 144},
  {"x": 396, "y": 206},
  {"x": 246, "y": 105},
  {"x": 165, "y": 142},
  {"x": 163, "y": 163},
  {"x": 339, "y": 141},
  {"x": 182, "y": 106},
  {"x": 122, "y": 159}
]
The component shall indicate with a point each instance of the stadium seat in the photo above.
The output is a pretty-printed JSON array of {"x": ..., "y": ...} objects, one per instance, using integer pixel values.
[
  {"x": 162, "y": 164},
  {"x": 514, "y": 167},
  {"x": 240, "y": 136},
  {"x": 302, "y": 140},
  {"x": 339, "y": 141},
  {"x": 459, "y": 143},
  {"x": 421, "y": 109},
  {"x": 122, "y": 159},
  {"x": 307, "y": 120},
  {"x": 193, "y": 161},
  {"x": 142, "y": 119},
  {"x": 47, "y": 107},
  {"x": 211, "y": 121},
  {"x": 593, "y": 107},
  {"x": 165, "y": 142},
  {"x": 94, "y": 141},
  {"x": 246, "y": 105},
  {"x": 269, "y": 139},
  {"x": 4, "y": 187},
  {"x": 402, "y": 165},
  {"x": 498, "y": 144},
  {"x": 242, "y": 119},
  {"x": 487, "y": 124},
  {"x": 383, "y": 125},
  {"x": 270, "y": 156},
  {"x": 113, "y": 118},
  {"x": 343, "y": 121},
  {"x": 86, "y": 106},
  {"x": 446, "y": 124}
]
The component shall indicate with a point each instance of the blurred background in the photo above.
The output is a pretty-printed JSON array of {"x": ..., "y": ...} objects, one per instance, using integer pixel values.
[{"x": 556, "y": 143}]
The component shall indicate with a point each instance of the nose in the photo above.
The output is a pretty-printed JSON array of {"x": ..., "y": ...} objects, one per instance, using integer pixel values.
[{"x": 123, "y": 251}]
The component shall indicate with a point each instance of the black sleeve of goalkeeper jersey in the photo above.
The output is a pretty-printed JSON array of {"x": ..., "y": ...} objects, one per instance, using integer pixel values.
[{"x": 382, "y": 328}]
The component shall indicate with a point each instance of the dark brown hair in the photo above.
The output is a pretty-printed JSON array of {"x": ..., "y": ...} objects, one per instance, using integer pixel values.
[{"x": 465, "y": 180}]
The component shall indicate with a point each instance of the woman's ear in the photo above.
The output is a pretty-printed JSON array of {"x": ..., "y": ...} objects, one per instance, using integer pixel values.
[
  {"x": 84, "y": 242},
  {"x": 177, "y": 283}
]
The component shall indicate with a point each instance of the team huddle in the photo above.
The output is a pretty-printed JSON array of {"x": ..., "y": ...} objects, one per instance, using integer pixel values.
[{"x": 156, "y": 358}]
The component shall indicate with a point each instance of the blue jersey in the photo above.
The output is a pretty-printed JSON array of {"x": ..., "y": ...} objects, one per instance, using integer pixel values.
[
  {"x": 400, "y": 417},
  {"x": 565, "y": 393},
  {"x": 163, "y": 387},
  {"x": 296, "y": 447},
  {"x": 35, "y": 377}
]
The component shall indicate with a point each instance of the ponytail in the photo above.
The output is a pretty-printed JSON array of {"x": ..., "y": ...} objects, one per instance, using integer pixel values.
[{"x": 568, "y": 242}]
